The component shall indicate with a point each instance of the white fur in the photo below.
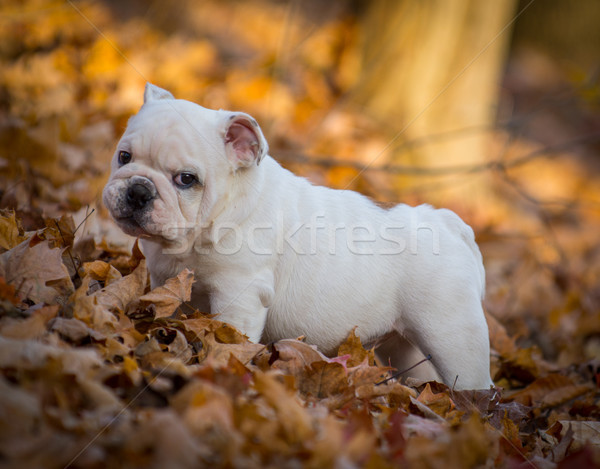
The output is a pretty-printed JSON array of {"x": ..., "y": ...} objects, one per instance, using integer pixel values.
[{"x": 278, "y": 257}]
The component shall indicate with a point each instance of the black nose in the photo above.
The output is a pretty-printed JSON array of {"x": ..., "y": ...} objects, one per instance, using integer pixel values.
[{"x": 138, "y": 196}]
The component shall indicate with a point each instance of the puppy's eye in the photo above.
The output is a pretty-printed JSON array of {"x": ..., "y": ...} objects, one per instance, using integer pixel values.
[
  {"x": 124, "y": 157},
  {"x": 185, "y": 180}
]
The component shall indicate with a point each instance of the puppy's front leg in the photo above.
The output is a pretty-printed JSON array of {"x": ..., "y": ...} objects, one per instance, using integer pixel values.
[{"x": 243, "y": 306}]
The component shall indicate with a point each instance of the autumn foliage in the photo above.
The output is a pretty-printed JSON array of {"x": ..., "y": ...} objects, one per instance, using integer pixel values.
[{"x": 99, "y": 370}]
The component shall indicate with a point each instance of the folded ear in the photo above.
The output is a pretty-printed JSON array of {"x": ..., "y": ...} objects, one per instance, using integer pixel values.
[
  {"x": 152, "y": 92},
  {"x": 245, "y": 143}
]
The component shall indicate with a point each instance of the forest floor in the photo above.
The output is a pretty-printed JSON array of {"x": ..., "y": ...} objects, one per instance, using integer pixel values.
[{"x": 98, "y": 370}]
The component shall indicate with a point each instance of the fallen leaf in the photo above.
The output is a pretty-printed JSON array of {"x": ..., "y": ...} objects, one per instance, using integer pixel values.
[
  {"x": 323, "y": 379},
  {"x": 208, "y": 412},
  {"x": 11, "y": 234},
  {"x": 352, "y": 346},
  {"x": 59, "y": 232},
  {"x": 440, "y": 403},
  {"x": 32, "y": 268},
  {"x": 87, "y": 309},
  {"x": 291, "y": 356},
  {"x": 121, "y": 293},
  {"x": 217, "y": 354},
  {"x": 168, "y": 297},
  {"x": 101, "y": 271},
  {"x": 294, "y": 420},
  {"x": 8, "y": 292},
  {"x": 584, "y": 432},
  {"x": 31, "y": 355},
  {"x": 549, "y": 391},
  {"x": 33, "y": 327},
  {"x": 74, "y": 330}
]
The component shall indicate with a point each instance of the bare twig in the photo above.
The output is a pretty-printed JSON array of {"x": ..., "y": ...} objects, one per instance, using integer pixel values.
[
  {"x": 396, "y": 375},
  {"x": 495, "y": 165}
]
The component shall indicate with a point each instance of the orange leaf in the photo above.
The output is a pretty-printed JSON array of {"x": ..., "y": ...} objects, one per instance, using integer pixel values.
[
  {"x": 11, "y": 234},
  {"x": 440, "y": 403},
  {"x": 101, "y": 271},
  {"x": 173, "y": 293},
  {"x": 323, "y": 379},
  {"x": 353, "y": 347},
  {"x": 294, "y": 419},
  {"x": 549, "y": 391},
  {"x": 33, "y": 269}
]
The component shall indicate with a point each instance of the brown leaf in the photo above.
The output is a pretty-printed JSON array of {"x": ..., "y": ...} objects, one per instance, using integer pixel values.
[
  {"x": 31, "y": 328},
  {"x": 500, "y": 341},
  {"x": 207, "y": 410},
  {"x": 291, "y": 356},
  {"x": 101, "y": 271},
  {"x": 217, "y": 354},
  {"x": 397, "y": 394},
  {"x": 173, "y": 293},
  {"x": 223, "y": 333},
  {"x": 173, "y": 341},
  {"x": 511, "y": 442},
  {"x": 471, "y": 444},
  {"x": 59, "y": 232},
  {"x": 73, "y": 330},
  {"x": 121, "y": 293},
  {"x": 87, "y": 309},
  {"x": 584, "y": 432},
  {"x": 549, "y": 391},
  {"x": 440, "y": 403},
  {"x": 8, "y": 292},
  {"x": 365, "y": 374},
  {"x": 294, "y": 420},
  {"x": 11, "y": 233},
  {"x": 322, "y": 379},
  {"x": 32, "y": 355},
  {"x": 31, "y": 269},
  {"x": 352, "y": 346},
  {"x": 520, "y": 365}
]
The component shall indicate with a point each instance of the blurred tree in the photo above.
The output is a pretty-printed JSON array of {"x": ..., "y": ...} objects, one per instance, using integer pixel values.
[{"x": 434, "y": 67}]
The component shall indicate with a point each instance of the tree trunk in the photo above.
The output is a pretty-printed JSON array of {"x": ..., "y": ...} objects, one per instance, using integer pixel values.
[{"x": 433, "y": 67}]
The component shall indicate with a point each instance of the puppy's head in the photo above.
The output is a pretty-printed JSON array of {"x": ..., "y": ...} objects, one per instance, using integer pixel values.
[{"x": 172, "y": 167}]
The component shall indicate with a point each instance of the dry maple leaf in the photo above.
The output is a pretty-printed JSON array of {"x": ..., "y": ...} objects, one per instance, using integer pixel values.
[
  {"x": 32, "y": 327},
  {"x": 290, "y": 356},
  {"x": 11, "y": 234},
  {"x": 59, "y": 232},
  {"x": 31, "y": 269},
  {"x": 73, "y": 330},
  {"x": 87, "y": 309},
  {"x": 121, "y": 293},
  {"x": 440, "y": 403},
  {"x": 199, "y": 325},
  {"x": 352, "y": 346},
  {"x": 101, "y": 271},
  {"x": 550, "y": 391},
  {"x": 8, "y": 292},
  {"x": 169, "y": 296},
  {"x": 323, "y": 379},
  {"x": 217, "y": 354},
  {"x": 295, "y": 421}
]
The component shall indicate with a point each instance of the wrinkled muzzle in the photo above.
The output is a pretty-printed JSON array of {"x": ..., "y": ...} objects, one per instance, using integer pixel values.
[{"x": 130, "y": 202}]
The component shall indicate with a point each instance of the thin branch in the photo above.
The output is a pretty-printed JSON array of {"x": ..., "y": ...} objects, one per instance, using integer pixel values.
[{"x": 547, "y": 151}]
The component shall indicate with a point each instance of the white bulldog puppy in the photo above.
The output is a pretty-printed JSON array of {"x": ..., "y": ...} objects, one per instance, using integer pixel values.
[{"x": 277, "y": 257}]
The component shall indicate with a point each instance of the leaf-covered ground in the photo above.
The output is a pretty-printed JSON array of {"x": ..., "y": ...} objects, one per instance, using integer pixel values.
[{"x": 96, "y": 370}]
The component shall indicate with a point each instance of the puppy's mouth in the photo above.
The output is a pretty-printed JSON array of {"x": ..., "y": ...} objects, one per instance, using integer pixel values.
[{"x": 131, "y": 226}]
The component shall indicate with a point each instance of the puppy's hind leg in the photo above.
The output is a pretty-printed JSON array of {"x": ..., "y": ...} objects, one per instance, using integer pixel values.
[
  {"x": 457, "y": 340},
  {"x": 399, "y": 353}
]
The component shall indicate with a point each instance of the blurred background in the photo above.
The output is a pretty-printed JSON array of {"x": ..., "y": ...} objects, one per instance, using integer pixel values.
[{"x": 489, "y": 108}]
